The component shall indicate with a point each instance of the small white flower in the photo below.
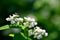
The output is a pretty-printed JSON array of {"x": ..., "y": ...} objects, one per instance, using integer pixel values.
[
  {"x": 39, "y": 36},
  {"x": 10, "y": 16},
  {"x": 26, "y": 24},
  {"x": 32, "y": 19},
  {"x": 32, "y": 24},
  {"x": 14, "y": 15},
  {"x": 30, "y": 32},
  {"x": 46, "y": 34},
  {"x": 29, "y": 19},
  {"x": 43, "y": 31},
  {"x": 38, "y": 33},
  {"x": 19, "y": 19},
  {"x": 36, "y": 29},
  {"x": 12, "y": 22},
  {"x": 35, "y": 34},
  {"x": 8, "y": 19},
  {"x": 35, "y": 23}
]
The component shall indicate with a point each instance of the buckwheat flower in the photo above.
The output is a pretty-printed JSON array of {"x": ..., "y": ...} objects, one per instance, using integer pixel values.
[
  {"x": 39, "y": 36},
  {"x": 13, "y": 22},
  {"x": 43, "y": 31},
  {"x": 30, "y": 32},
  {"x": 29, "y": 19},
  {"x": 11, "y": 17},
  {"x": 35, "y": 23},
  {"x": 15, "y": 15},
  {"x": 26, "y": 24},
  {"x": 37, "y": 29},
  {"x": 8, "y": 19},
  {"x": 19, "y": 19},
  {"x": 35, "y": 35},
  {"x": 38, "y": 32},
  {"x": 46, "y": 34},
  {"x": 32, "y": 19},
  {"x": 32, "y": 24}
]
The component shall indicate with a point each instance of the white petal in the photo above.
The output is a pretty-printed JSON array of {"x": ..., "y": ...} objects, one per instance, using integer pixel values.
[
  {"x": 39, "y": 36},
  {"x": 35, "y": 23},
  {"x": 19, "y": 19},
  {"x": 46, "y": 34},
  {"x": 8, "y": 19},
  {"x": 32, "y": 19},
  {"x": 14, "y": 15},
  {"x": 43, "y": 31},
  {"x": 26, "y": 24},
  {"x": 12, "y": 22}
]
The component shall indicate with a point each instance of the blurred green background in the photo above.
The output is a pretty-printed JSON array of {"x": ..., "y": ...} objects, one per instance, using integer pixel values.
[{"x": 46, "y": 12}]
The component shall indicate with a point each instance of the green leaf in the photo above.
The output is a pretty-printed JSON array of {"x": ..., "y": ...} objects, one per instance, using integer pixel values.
[{"x": 4, "y": 27}]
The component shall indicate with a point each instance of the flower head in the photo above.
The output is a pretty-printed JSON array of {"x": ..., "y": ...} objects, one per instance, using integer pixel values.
[{"x": 30, "y": 23}]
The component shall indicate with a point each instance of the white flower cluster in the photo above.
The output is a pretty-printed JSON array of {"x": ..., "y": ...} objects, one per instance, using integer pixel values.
[
  {"x": 37, "y": 32},
  {"x": 14, "y": 19},
  {"x": 30, "y": 23},
  {"x": 26, "y": 21}
]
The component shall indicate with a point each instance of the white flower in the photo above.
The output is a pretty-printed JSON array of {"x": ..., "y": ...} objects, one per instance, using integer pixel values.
[
  {"x": 35, "y": 23},
  {"x": 38, "y": 32},
  {"x": 39, "y": 36},
  {"x": 19, "y": 19},
  {"x": 8, "y": 19},
  {"x": 14, "y": 15},
  {"x": 43, "y": 31},
  {"x": 32, "y": 19},
  {"x": 46, "y": 34},
  {"x": 32, "y": 24},
  {"x": 29, "y": 19},
  {"x": 37, "y": 29},
  {"x": 13, "y": 22},
  {"x": 26, "y": 24},
  {"x": 30, "y": 32}
]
